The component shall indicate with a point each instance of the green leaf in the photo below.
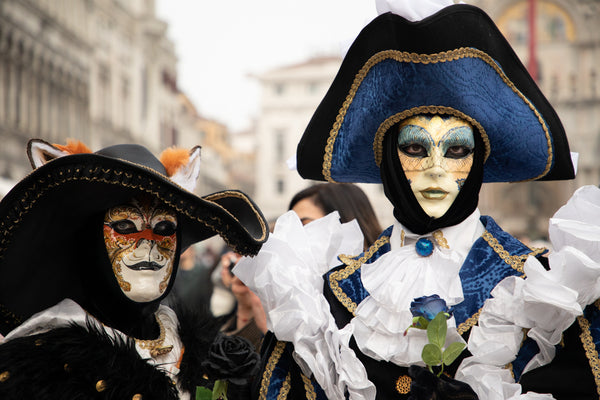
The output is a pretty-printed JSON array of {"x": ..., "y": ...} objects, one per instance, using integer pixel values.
[
  {"x": 421, "y": 322},
  {"x": 220, "y": 390},
  {"x": 432, "y": 354},
  {"x": 452, "y": 352},
  {"x": 203, "y": 393},
  {"x": 436, "y": 331}
]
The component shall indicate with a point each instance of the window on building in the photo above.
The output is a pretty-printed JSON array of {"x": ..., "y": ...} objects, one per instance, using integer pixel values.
[
  {"x": 279, "y": 145},
  {"x": 279, "y": 89},
  {"x": 280, "y": 186}
]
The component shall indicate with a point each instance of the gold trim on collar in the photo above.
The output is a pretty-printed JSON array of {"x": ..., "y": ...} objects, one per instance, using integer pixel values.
[
  {"x": 266, "y": 378},
  {"x": 516, "y": 262},
  {"x": 590, "y": 349},
  {"x": 445, "y": 56},
  {"x": 352, "y": 266}
]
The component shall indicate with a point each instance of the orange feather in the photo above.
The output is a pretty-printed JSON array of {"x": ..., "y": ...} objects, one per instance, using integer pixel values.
[
  {"x": 73, "y": 147},
  {"x": 174, "y": 158}
]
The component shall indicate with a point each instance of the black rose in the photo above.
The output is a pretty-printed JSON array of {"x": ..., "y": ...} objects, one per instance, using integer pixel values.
[{"x": 232, "y": 358}]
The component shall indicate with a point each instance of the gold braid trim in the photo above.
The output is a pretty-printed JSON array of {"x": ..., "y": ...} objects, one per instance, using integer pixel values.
[
  {"x": 65, "y": 174},
  {"x": 469, "y": 323},
  {"x": 516, "y": 262},
  {"x": 352, "y": 266},
  {"x": 590, "y": 349},
  {"x": 285, "y": 388},
  {"x": 268, "y": 374},
  {"x": 445, "y": 56},
  {"x": 309, "y": 388}
]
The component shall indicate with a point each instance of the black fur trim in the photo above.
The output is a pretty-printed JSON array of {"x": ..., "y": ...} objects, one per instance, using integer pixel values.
[{"x": 68, "y": 363}]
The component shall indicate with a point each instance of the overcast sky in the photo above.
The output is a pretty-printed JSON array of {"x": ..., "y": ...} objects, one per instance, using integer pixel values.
[{"x": 220, "y": 43}]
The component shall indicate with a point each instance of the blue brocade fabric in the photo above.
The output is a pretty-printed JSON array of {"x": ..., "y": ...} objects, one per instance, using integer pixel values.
[
  {"x": 519, "y": 146},
  {"x": 482, "y": 270}
]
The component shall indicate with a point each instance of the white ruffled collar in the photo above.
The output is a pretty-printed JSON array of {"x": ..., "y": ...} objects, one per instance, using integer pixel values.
[{"x": 400, "y": 276}]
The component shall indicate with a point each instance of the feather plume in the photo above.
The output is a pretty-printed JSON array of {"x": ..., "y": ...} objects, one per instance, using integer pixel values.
[
  {"x": 73, "y": 147},
  {"x": 173, "y": 159}
]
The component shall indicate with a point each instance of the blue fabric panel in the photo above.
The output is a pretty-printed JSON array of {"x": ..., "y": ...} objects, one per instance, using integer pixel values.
[
  {"x": 528, "y": 350},
  {"x": 483, "y": 269},
  {"x": 519, "y": 148},
  {"x": 352, "y": 286},
  {"x": 282, "y": 368},
  {"x": 592, "y": 314}
]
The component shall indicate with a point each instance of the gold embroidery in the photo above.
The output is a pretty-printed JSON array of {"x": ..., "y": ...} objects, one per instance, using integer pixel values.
[
  {"x": 285, "y": 388},
  {"x": 266, "y": 378},
  {"x": 440, "y": 239},
  {"x": 156, "y": 345},
  {"x": 469, "y": 323},
  {"x": 425, "y": 59},
  {"x": 352, "y": 266},
  {"x": 590, "y": 349},
  {"x": 44, "y": 183},
  {"x": 403, "y": 384},
  {"x": 402, "y": 235},
  {"x": 516, "y": 262},
  {"x": 309, "y": 388}
]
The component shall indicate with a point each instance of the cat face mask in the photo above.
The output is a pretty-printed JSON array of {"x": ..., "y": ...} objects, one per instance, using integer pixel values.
[{"x": 141, "y": 241}]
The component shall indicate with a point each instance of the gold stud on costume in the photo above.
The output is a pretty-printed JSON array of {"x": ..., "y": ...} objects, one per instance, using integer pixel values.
[
  {"x": 137, "y": 397},
  {"x": 101, "y": 386},
  {"x": 4, "y": 376},
  {"x": 403, "y": 384}
]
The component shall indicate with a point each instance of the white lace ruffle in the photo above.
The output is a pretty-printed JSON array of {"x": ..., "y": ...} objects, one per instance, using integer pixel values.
[
  {"x": 546, "y": 303},
  {"x": 393, "y": 281},
  {"x": 287, "y": 276}
]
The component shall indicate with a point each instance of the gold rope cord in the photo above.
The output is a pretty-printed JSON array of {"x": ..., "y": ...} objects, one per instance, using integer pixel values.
[{"x": 445, "y": 56}]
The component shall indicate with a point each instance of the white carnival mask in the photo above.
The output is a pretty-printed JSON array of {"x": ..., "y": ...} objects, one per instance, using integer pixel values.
[
  {"x": 436, "y": 155},
  {"x": 141, "y": 240}
]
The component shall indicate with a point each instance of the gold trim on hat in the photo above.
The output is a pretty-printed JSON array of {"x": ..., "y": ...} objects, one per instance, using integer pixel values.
[{"x": 445, "y": 56}]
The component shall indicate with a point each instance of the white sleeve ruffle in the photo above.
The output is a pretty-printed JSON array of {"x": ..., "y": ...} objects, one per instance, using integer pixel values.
[
  {"x": 287, "y": 276},
  {"x": 537, "y": 305},
  {"x": 545, "y": 304}
]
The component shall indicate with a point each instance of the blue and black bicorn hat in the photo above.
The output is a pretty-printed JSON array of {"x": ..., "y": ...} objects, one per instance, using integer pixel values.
[{"x": 455, "y": 62}]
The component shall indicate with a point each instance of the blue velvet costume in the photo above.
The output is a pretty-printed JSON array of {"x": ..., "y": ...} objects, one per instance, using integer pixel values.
[{"x": 493, "y": 257}]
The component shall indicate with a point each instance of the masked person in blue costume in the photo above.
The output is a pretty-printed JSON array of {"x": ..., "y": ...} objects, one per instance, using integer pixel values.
[{"x": 430, "y": 107}]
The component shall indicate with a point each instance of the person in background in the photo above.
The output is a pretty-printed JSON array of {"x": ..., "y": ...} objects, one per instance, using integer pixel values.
[
  {"x": 430, "y": 106},
  {"x": 248, "y": 318},
  {"x": 347, "y": 199}
]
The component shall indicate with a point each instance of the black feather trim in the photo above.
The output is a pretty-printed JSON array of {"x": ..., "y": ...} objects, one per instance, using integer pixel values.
[
  {"x": 78, "y": 362},
  {"x": 197, "y": 331}
]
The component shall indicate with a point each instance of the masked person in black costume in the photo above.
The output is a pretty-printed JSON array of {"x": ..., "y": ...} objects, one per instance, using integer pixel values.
[
  {"x": 90, "y": 246},
  {"x": 431, "y": 108}
]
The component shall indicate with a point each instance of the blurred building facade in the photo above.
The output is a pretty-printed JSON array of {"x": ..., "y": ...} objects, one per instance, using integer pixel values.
[
  {"x": 568, "y": 55},
  {"x": 289, "y": 96},
  {"x": 99, "y": 71}
]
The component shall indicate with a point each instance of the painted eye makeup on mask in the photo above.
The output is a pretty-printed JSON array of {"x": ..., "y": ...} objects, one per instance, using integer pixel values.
[
  {"x": 457, "y": 142},
  {"x": 414, "y": 141}
]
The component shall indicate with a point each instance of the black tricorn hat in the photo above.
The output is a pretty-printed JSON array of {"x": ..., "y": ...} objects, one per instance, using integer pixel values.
[
  {"x": 41, "y": 215},
  {"x": 455, "y": 62}
]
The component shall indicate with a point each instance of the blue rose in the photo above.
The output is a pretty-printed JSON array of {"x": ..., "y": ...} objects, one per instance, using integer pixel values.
[{"x": 428, "y": 307}]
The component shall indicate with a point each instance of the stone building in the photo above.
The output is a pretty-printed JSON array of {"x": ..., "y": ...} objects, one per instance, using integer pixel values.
[
  {"x": 99, "y": 71},
  {"x": 568, "y": 53}
]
